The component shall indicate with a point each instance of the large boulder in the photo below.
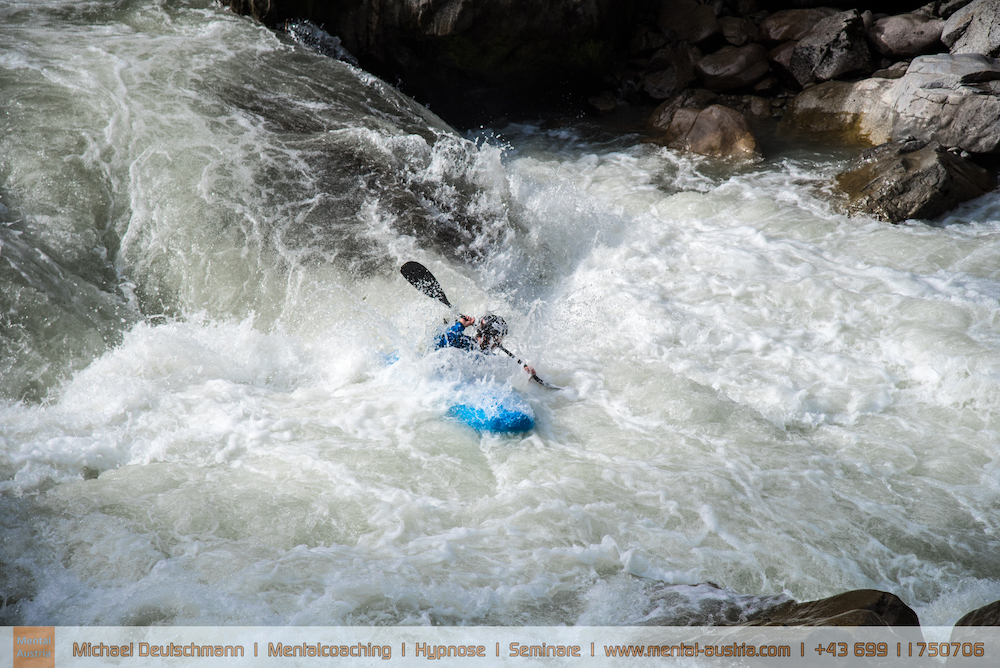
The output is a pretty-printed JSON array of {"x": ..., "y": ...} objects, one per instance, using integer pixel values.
[
  {"x": 906, "y": 35},
  {"x": 911, "y": 180},
  {"x": 835, "y": 47},
  {"x": 974, "y": 29},
  {"x": 695, "y": 122},
  {"x": 953, "y": 100},
  {"x": 733, "y": 68}
]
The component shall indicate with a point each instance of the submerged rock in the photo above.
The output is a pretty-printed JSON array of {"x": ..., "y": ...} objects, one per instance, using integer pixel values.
[
  {"x": 911, "y": 179},
  {"x": 696, "y": 122}
]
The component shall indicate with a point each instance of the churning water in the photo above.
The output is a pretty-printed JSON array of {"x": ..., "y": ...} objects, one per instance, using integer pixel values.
[{"x": 202, "y": 227}]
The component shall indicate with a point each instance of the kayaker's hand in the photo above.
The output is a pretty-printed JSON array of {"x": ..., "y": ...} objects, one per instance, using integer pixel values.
[
  {"x": 467, "y": 320},
  {"x": 529, "y": 369}
]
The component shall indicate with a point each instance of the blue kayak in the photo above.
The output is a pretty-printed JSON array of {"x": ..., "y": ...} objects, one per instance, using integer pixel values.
[{"x": 494, "y": 408}]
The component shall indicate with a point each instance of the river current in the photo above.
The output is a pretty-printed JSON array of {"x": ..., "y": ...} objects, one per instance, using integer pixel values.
[{"x": 219, "y": 403}]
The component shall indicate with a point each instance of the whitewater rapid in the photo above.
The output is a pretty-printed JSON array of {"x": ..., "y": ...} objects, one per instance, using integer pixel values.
[{"x": 221, "y": 405}]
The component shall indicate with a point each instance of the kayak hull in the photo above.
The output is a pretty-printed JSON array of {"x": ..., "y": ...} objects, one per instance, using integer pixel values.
[{"x": 497, "y": 412}]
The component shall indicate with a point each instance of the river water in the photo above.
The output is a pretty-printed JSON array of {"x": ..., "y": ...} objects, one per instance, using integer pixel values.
[{"x": 202, "y": 422}]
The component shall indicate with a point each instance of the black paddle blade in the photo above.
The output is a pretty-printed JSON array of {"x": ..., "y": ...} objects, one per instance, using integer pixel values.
[{"x": 422, "y": 279}]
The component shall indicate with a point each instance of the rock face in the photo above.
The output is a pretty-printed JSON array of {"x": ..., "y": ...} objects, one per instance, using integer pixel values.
[
  {"x": 954, "y": 100},
  {"x": 836, "y": 46},
  {"x": 470, "y": 55},
  {"x": 863, "y": 607},
  {"x": 974, "y": 29},
  {"x": 911, "y": 180}
]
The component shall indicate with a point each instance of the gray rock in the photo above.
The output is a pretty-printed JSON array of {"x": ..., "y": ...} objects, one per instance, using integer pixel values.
[
  {"x": 974, "y": 29},
  {"x": 911, "y": 179},
  {"x": 858, "y": 112},
  {"x": 947, "y": 8},
  {"x": 906, "y": 35},
  {"x": 954, "y": 27},
  {"x": 733, "y": 68},
  {"x": 835, "y": 47},
  {"x": 954, "y": 100},
  {"x": 790, "y": 24}
]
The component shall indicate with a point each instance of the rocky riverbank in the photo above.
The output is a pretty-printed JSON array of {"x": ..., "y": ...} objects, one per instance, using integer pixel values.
[{"x": 922, "y": 84}]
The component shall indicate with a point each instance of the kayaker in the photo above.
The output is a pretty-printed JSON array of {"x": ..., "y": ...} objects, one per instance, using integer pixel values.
[{"x": 490, "y": 331}]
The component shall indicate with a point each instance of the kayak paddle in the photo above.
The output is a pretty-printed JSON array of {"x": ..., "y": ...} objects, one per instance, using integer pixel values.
[{"x": 422, "y": 279}]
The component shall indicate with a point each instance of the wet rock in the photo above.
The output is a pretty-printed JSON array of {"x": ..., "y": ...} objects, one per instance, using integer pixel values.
[
  {"x": 906, "y": 35},
  {"x": 835, "y": 47},
  {"x": 863, "y": 607},
  {"x": 790, "y": 24},
  {"x": 859, "y": 112},
  {"x": 974, "y": 29},
  {"x": 911, "y": 179},
  {"x": 733, "y": 68},
  {"x": 695, "y": 122},
  {"x": 689, "y": 20},
  {"x": 311, "y": 35}
]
